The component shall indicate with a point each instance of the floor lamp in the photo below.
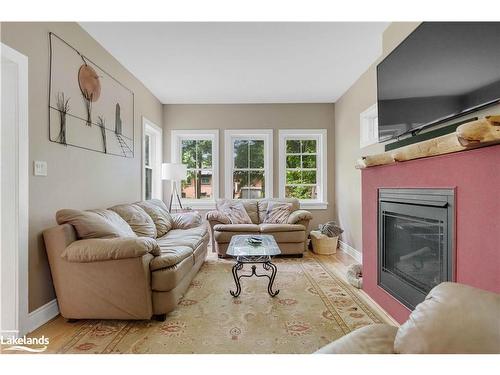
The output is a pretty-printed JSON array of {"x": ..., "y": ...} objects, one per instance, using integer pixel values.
[{"x": 174, "y": 172}]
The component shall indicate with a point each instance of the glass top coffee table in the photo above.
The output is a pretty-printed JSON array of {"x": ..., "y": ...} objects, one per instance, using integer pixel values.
[{"x": 253, "y": 253}]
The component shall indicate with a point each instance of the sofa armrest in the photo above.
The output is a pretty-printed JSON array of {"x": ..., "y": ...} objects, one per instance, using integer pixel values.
[
  {"x": 216, "y": 217},
  {"x": 298, "y": 216},
  {"x": 372, "y": 339},
  {"x": 186, "y": 220},
  {"x": 101, "y": 249}
]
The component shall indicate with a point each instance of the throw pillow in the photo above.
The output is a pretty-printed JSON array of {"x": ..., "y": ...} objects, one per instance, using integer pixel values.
[
  {"x": 235, "y": 211},
  {"x": 277, "y": 213},
  {"x": 161, "y": 217},
  {"x": 95, "y": 223},
  {"x": 137, "y": 218}
]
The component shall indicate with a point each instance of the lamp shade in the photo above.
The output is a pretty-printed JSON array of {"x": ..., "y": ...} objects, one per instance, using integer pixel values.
[{"x": 173, "y": 171}]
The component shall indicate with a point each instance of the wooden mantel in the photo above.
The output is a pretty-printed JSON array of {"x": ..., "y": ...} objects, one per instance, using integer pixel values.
[{"x": 474, "y": 134}]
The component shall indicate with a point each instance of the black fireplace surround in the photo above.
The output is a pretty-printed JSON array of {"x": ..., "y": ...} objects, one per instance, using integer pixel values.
[{"x": 415, "y": 241}]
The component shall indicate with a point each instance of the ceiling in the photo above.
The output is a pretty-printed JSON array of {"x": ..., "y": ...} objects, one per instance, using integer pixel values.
[{"x": 237, "y": 62}]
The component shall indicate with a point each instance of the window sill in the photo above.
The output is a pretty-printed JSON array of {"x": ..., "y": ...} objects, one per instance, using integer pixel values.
[
  {"x": 313, "y": 205},
  {"x": 199, "y": 204}
]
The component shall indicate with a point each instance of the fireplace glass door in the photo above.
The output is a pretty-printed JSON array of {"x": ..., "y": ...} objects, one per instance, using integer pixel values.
[{"x": 413, "y": 249}]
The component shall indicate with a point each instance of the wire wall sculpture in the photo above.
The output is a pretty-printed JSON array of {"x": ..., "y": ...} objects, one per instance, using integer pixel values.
[{"x": 95, "y": 98}]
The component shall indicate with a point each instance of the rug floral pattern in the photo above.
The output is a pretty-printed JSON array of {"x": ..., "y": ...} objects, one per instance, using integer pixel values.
[{"x": 313, "y": 308}]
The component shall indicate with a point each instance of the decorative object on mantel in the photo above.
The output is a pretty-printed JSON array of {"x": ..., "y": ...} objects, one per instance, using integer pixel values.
[
  {"x": 325, "y": 240},
  {"x": 354, "y": 275},
  {"x": 73, "y": 75},
  {"x": 480, "y": 133}
]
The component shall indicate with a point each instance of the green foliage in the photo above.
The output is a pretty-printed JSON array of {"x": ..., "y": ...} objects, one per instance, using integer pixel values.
[
  {"x": 292, "y": 146},
  {"x": 308, "y": 161},
  {"x": 197, "y": 153},
  {"x": 309, "y": 146},
  {"x": 299, "y": 192},
  {"x": 309, "y": 177},
  {"x": 293, "y": 161},
  {"x": 293, "y": 177}
]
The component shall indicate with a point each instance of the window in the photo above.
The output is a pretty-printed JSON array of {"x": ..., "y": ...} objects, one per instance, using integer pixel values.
[
  {"x": 302, "y": 163},
  {"x": 152, "y": 159},
  {"x": 248, "y": 156},
  {"x": 368, "y": 122},
  {"x": 198, "y": 150}
]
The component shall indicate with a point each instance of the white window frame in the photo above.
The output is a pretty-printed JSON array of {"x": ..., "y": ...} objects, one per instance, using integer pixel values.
[
  {"x": 265, "y": 135},
  {"x": 368, "y": 126},
  {"x": 320, "y": 135},
  {"x": 156, "y": 157},
  {"x": 213, "y": 135}
]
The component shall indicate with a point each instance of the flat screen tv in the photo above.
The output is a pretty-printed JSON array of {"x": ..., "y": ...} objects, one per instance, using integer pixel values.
[{"x": 441, "y": 71}]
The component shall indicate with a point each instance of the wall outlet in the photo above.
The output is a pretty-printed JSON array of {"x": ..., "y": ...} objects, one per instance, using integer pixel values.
[{"x": 40, "y": 168}]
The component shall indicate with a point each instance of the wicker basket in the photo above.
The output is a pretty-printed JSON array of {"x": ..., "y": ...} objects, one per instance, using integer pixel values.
[{"x": 323, "y": 244}]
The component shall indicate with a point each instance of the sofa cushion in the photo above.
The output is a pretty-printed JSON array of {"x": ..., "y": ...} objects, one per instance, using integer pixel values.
[
  {"x": 167, "y": 278},
  {"x": 161, "y": 217},
  {"x": 262, "y": 205},
  {"x": 95, "y": 223},
  {"x": 252, "y": 209},
  {"x": 140, "y": 222},
  {"x": 186, "y": 220},
  {"x": 454, "y": 318},
  {"x": 234, "y": 210},
  {"x": 288, "y": 237},
  {"x": 225, "y": 237},
  {"x": 169, "y": 256},
  {"x": 372, "y": 339},
  {"x": 268, "y": 228},
  {"x": 277, "y": 212},
  {"x": 191, "y": 242},
  {"x": 237, "y": 228},
  {"x": 200, "y": 231}
]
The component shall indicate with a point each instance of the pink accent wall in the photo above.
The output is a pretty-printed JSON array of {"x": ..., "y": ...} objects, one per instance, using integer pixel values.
[{"x": 475, "y": 175}]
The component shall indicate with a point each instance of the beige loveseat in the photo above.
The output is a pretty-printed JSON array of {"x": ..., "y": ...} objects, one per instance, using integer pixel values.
[
  {"x": 453, "y": 319},
  {"x": 291, "y": 237},
  {"x": 129, "y": 262}
]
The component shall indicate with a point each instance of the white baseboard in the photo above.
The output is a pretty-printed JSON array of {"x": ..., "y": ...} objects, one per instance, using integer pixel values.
[
  {"x": 351, "y": 251},
  {"x": 42, "y": 315}
]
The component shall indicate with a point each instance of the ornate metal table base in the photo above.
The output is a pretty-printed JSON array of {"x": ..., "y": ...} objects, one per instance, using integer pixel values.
[{"x": 266, "y": 264}]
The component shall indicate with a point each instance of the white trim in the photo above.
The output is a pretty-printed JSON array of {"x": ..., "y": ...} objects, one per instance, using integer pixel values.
[
  {"x": 349, "y": 250},
  {"x": 321, "y": 136},
  {"x": 368, "y": 126},
  {"x": 261, "y": 134},
  {"x": 42, "y": 315},
  {"x": 212, "y": 134},
  {"x": 19, "y": 149},
  {"x": 149, "y": 127}
]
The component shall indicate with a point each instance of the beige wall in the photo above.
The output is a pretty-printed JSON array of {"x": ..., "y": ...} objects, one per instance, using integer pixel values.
[
  {"x": 76, "y": 178},
  {"x": 255, "y": 116},
  {"x": 359, "y": 97}
]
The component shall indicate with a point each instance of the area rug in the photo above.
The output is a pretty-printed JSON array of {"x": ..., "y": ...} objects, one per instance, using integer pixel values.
[{"x": 313, "y": 308}]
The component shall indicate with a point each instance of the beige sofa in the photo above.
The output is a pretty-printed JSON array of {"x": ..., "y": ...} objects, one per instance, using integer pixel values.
[
  {"x": 128, "y": 262},
  {"x": 453, "y": 319},
  {"x": 291, "y": 237}
]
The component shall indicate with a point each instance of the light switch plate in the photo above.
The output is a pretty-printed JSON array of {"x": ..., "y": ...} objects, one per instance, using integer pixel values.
[{"x": 40, "y": 168}]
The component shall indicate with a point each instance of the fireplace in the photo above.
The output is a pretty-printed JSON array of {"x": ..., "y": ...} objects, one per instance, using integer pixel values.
[{"x": 415, "y": 241}]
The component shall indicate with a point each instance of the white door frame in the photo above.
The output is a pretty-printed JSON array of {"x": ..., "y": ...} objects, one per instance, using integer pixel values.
[
  {"x": 14, "y": 244},
  {"x": 157, "y": 153}
]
